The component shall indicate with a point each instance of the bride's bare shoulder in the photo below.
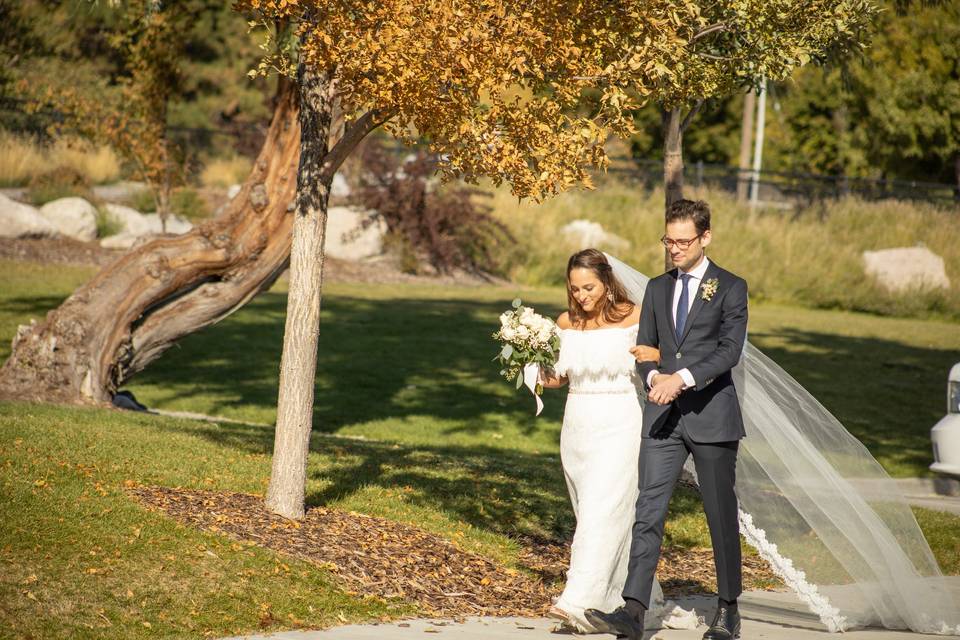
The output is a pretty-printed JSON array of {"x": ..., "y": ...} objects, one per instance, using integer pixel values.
[
  {"x": 634, "y": 316},
  {"x": 564, "y": 321}
]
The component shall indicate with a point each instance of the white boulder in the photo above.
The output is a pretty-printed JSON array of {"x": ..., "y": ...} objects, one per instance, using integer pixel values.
[
  {"x": 123, "y": 240},
  {"x": 339, "y": 187},
  {"x": 345, "y": 240},
  {"x": 130, "y": 220},
  {"x": 18, "y": 220},
  {"x": 906, "y": 268},
  {"x": 586, "y": 233},
  {"x": 233, "y": 190},
  {"x": 72, "y": 217},
  {"x": 175, "y": 224},
  {"x": 134, "y": 223}
]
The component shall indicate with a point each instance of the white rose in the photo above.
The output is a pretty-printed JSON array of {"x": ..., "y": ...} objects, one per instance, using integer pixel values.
[
  {"x": 508, "y": 334},
  {"x": 523, "y": 332}
]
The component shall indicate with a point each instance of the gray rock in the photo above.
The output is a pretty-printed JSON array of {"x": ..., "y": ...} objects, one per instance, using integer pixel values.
[
  {"x": 584, "y": 234},
  {"x": 906, "y": 268},
  {"x": 72, "y": 217},
  {"x": 345, "y": 240},
  {"x": 18, "y": 220}
]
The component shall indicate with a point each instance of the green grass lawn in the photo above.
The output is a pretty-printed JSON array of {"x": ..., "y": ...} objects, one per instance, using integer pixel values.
[{"x": 411, "y": 423}]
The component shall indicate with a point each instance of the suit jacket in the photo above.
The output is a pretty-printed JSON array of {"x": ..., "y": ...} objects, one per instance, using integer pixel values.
[{"x": 711, "y": 345}]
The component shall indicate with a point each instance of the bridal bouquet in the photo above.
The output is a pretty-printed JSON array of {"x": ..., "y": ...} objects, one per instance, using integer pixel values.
[{"x": 528, "y": 341}]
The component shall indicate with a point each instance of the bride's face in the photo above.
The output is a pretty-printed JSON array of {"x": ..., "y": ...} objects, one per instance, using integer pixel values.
[{"x": 587, "y": 289}]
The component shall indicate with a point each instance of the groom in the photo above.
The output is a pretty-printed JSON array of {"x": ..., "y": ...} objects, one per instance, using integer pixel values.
[{"x": 696, "y": 314}]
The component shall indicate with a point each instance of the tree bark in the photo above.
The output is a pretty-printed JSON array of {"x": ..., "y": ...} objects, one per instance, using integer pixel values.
[
  {"x": 138, "y": 306},
  {"x": 298, "y": 364},
  {"x": 319, "y": 160},
  {"x": 746, "y": 142},
  {"x": 672, "y": 156}
]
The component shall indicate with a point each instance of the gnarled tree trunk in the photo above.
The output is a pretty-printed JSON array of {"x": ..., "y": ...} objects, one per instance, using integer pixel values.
[{"x": 141, "y": 304}]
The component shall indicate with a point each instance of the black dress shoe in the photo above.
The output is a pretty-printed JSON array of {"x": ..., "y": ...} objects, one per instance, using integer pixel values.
[
  {"x": 617, "y": 622},
  {"x": 725, "y": 625}
]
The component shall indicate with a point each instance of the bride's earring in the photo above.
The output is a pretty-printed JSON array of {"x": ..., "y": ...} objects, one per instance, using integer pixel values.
[{"x": 609, "y": 296}]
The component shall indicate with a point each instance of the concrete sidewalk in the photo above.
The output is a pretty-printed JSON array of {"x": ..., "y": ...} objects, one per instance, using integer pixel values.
[{"x": 766, "y": 615}]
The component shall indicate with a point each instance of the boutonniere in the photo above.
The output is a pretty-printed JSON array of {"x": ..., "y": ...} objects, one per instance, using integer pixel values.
[{"x": 709, "y": 288}]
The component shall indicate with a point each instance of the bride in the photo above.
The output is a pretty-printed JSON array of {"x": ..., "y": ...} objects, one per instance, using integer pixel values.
[
  {"x": 600, "y": 438},
  {"x": 813, "y": 502}
]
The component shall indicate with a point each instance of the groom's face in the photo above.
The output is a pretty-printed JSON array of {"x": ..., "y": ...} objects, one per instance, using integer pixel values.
[{"x": 685, "y": 258}]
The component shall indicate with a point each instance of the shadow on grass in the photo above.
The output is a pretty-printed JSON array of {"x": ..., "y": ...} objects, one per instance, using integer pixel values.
[
  {"x": 496, "y": 490},
  {"x": 377, "y": 360},
  {"x": 32, "y": 306},
  {"x": 888, "y": 394}
]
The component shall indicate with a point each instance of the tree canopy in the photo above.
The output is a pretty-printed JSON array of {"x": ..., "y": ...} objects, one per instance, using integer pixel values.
[{"x": 497, "y": 87}]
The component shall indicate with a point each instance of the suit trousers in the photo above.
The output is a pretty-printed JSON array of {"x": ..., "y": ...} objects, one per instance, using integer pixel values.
[{"x": 661, "y": 460}]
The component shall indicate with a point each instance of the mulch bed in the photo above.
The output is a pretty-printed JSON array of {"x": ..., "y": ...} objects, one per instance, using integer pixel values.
[{"x": 379, "y": 557}]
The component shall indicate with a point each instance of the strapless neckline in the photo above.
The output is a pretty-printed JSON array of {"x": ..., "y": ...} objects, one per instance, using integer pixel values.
[{"x": 629, "y": 326}]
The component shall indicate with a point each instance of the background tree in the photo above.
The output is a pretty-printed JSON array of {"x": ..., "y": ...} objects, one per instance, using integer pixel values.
[
  {"x": 129, "y": 109},
  {"x": 732, "y": 46}
]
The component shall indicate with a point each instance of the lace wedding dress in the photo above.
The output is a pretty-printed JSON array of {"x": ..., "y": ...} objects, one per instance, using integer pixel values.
[{"x": 599, "y": 448}]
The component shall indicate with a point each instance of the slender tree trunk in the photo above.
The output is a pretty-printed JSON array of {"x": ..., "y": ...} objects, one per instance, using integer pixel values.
[
  {"x": 746, "y": 142},
  {"x": 138, "y": 306},
  {"x": 298, "y": 365},
  {"x": 674, "y": 126},
  {"x": 672, "y": 156},
  {"x": 320, "y": 157},
  {"x": 956, "y": 168}
]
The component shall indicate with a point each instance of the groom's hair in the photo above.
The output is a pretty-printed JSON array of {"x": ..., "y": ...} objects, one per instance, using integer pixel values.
[{"x": 696, "y": 210}]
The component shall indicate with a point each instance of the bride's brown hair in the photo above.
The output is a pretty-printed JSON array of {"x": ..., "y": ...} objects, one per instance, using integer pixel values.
[{"x": 610, "y": 310}]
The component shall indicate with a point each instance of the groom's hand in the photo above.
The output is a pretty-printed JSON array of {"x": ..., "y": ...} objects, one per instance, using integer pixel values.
[{"x": 665, "y": 388}]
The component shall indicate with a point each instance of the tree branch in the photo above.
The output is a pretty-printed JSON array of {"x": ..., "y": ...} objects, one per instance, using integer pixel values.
[
  {"x": 710, "y": 56},
  {"x": 356, "y": 132},
  {"x": 690, "y": 116},
  {"x": 703, "y": 33}
]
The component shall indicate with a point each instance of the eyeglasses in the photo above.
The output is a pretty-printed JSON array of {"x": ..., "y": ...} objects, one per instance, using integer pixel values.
[{"x": 682, "y": 244}]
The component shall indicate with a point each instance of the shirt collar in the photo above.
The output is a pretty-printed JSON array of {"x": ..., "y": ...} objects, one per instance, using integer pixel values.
[{"x": 699, "y": 272}]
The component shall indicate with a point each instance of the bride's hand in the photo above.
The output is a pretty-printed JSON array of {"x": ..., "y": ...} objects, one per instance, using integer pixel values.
[
  {"x": 550, "y": 380},
  {"x": 643, "y": 353}
]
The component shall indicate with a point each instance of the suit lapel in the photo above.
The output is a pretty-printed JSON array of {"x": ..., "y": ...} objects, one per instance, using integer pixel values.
[
  {"x": 668, "y": 290},
  {"x": 698, "y": 300}
]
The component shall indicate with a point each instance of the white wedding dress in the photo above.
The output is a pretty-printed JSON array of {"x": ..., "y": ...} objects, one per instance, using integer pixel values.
[{"x": 600, "y": 449}]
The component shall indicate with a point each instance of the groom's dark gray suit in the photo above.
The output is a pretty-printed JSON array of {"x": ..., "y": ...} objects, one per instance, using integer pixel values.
[{"x": 704, "y": 421}]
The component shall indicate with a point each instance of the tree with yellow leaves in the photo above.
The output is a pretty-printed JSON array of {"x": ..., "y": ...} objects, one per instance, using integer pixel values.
[{"x": 495, "y": 88}]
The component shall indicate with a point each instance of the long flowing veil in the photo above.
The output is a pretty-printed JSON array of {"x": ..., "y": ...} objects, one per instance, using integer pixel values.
[{"x": 822, "y": 511}]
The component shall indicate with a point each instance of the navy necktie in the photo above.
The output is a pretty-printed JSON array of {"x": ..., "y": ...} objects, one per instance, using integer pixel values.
[{"x": 683, "y": 307}]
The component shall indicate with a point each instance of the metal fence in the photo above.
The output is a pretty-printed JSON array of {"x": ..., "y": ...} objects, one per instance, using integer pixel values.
[{"x": 786, "y": 189}]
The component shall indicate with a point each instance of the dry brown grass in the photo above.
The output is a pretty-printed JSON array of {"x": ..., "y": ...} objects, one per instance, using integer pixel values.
[{"x": 23, "y": 157}]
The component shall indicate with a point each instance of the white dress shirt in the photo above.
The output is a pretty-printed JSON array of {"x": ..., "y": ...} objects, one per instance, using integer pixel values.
[{"x": 693, "y": 285}]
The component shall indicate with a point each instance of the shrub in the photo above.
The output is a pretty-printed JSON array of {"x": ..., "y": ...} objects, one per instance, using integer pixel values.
[
  {"x": 60, "y": 182},
  {"x": 448, "y": 226}
]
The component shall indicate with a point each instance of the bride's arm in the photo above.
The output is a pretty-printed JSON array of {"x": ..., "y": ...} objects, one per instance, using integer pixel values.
[{"x": 548, "y": 378}]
